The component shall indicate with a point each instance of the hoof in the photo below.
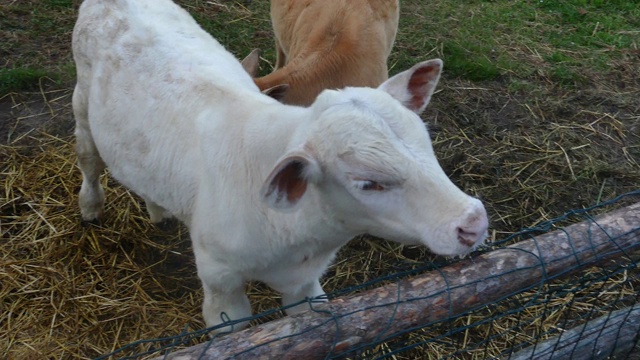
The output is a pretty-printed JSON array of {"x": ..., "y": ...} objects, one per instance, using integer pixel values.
[{"x": 92, "y": 222}]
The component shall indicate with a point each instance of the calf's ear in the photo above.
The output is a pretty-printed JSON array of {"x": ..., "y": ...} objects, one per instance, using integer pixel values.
[
  {"x": 277, "y": 92},
  {"x": 414, "y": 87},
  {"x": 251, "y": 63},
  {"x": 288, "y": 181}
]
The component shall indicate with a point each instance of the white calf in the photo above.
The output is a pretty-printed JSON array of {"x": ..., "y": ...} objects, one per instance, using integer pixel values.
[
  {"x": 329, "y": 44},
  {"x": 269, "y": 191}
]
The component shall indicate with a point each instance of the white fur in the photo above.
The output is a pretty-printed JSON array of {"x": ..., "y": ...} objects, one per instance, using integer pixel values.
[{"x": 269, "y": 191}]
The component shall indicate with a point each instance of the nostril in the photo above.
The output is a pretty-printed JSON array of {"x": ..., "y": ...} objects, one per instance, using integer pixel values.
[
  {"x": 467, "y": 238},
  {"x": 472, "y": 226}
]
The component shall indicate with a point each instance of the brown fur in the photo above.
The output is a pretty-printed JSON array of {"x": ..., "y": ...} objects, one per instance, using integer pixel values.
[{"x": 324, "y": 44}]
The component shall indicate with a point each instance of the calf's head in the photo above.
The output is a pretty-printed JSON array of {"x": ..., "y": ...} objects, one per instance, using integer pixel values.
[{"x": 367, "y": 158}]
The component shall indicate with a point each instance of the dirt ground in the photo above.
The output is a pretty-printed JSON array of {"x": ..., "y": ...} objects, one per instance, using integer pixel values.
[{"x": 530, "y": 148}]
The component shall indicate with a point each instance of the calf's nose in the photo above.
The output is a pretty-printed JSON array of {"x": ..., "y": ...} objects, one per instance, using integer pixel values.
[{"x": 473, "y": 228}]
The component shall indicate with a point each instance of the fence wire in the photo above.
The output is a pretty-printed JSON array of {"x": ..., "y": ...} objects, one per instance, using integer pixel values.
[{"x": 557, "y": 317}]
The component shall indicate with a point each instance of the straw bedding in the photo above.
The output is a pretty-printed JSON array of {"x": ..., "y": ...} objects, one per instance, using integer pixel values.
[{"x": 71, "y": 290}]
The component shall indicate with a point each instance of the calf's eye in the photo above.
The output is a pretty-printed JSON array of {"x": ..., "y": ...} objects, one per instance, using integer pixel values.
[{"x": 368, "y": 185}]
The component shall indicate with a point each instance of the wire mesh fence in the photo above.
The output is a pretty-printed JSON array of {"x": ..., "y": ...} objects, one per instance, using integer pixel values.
[{"x": 553, "y": 291}]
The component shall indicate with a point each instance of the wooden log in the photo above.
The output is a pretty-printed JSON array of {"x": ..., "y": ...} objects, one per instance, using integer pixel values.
[
  {"x": 378, "y": 314},
  {"x": 612, "y": 335}
]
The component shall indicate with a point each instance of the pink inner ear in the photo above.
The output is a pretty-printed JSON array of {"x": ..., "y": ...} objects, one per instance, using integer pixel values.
[
  {"x": 418, "y": 85},
  {"x": 290, "y": 181}
]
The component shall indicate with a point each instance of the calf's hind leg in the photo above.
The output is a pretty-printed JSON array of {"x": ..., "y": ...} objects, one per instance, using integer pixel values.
[{"x": 91, "y": 197}]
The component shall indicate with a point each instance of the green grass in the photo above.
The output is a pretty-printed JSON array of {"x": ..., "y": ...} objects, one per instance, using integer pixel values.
[
  {"x": 36, "y": 39},
  {"x": 486, "y": 40},
  {"x": 19, "y": 79},
  {"x": 239, "y": 28},
  {"x": 468, "y": 60},
  {"x": 478, "y": 40}
]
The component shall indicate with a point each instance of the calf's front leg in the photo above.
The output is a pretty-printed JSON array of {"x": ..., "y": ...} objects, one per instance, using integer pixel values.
[
  {"x": 224, "y": 295},
  {"x": 308, "y": 290}
]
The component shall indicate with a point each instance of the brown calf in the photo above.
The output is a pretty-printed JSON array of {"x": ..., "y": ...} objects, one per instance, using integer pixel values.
[{"x": 329, "y": 44}]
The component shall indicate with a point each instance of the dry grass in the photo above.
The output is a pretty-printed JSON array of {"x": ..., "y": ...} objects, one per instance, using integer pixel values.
[
  {"x": 73, "y": 291},
  {"x": 531, "y": 148}
]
